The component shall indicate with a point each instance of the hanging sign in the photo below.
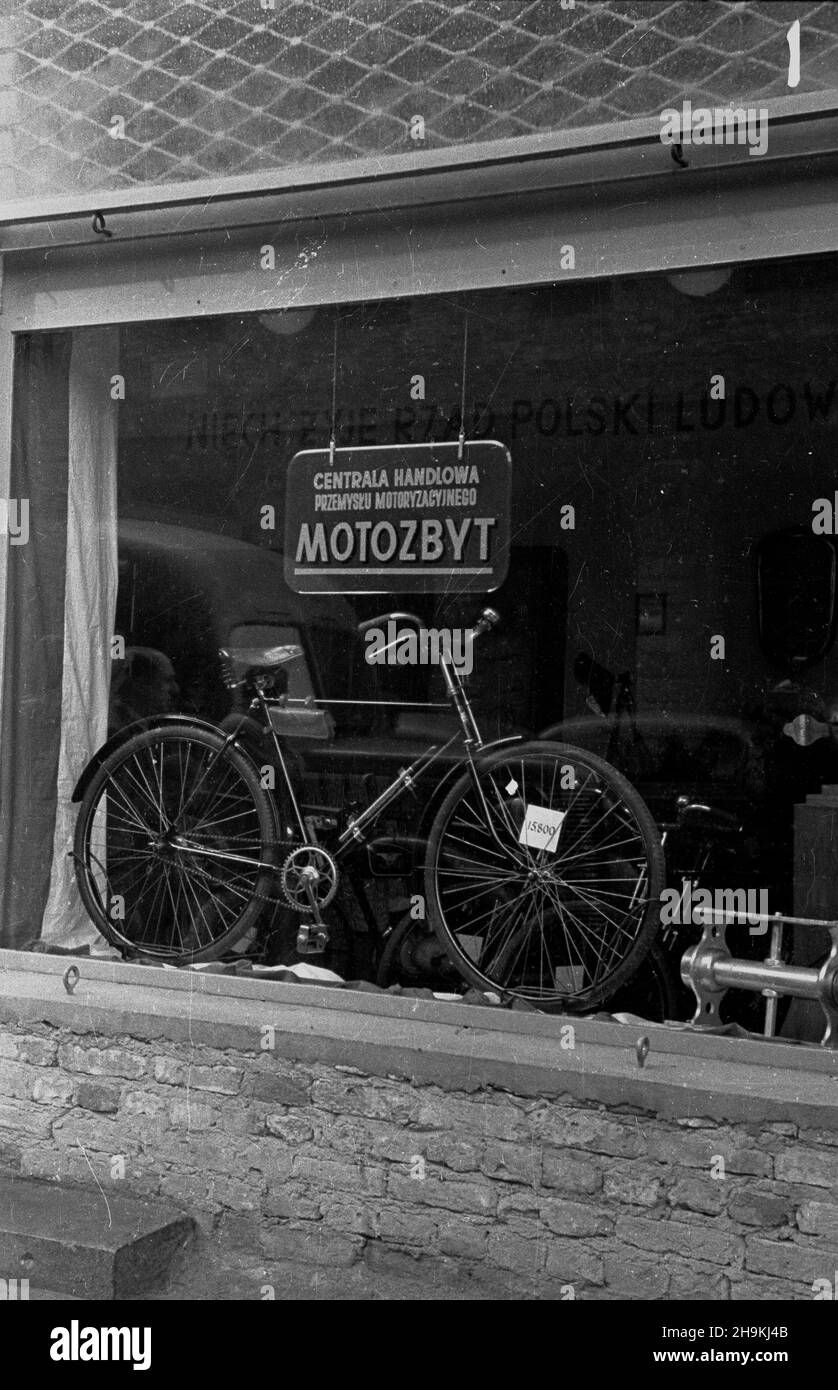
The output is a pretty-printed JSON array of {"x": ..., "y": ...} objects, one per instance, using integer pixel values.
[{"x": 402, "y": 518}]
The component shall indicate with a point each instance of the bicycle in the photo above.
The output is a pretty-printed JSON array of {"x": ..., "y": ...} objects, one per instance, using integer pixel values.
[
  {"x": 704, "y": 846},
  {"x": 543, "y": 867},
  {"x": 695, "y": 844}
]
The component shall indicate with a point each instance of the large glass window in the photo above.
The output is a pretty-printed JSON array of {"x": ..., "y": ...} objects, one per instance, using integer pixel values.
[{"x": 670, "y": 595}]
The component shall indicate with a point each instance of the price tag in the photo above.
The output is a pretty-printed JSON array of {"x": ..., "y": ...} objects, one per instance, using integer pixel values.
[{"x": 541, "y": 828}]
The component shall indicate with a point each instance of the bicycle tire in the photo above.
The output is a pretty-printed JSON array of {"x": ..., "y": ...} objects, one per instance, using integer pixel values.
[
  {"x": 148, "y": 896},
  {"x": 477, "y": 849},
  {"x": 654, "y": 992}
]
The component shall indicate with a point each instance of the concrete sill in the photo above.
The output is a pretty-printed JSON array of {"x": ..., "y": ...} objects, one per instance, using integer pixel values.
[{"x": 455, "y": 1046}]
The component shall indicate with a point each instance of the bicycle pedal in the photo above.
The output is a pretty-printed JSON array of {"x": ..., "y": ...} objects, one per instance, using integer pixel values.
[{"x": 312, "y": 940}]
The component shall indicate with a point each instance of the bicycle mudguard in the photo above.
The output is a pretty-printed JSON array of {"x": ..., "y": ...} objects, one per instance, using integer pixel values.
[
  {"x": 444, "y": 785},
  {"x": 413, "y": 846},
  {"x": 158, "y": 721}
]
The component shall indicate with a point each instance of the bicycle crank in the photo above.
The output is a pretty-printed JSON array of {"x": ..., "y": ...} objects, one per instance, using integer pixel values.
[
  {"x": 313, "y": 937},
  {"x": 309, "y": 882}
]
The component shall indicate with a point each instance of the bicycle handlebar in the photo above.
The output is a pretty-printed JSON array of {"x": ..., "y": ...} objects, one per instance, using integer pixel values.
[
  {"x": 489, "y": 618},
  {"x": 715, "y": 818},
  {"x": 389, "y": 617}
]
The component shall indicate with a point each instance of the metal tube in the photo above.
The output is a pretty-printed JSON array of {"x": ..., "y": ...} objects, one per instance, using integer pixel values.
[
  {"x": 724, "y": 916},
  {"x": 775, "y": 958},
  {"x": 798, "y": 980},
  {"x": 710, "y": 970}
]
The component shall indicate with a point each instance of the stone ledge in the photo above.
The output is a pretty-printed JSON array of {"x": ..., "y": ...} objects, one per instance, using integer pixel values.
[
  {"x": 85, "y": 1243},
  {"x": 455, "y": 1046}
]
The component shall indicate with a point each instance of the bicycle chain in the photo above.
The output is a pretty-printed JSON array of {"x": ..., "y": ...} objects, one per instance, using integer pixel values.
[{"x": 273, "y": 869}]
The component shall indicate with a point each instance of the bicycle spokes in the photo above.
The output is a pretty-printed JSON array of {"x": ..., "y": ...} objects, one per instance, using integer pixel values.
[
  {"x": 174, "y": 845},
  {"x": 542, "y": 874}
]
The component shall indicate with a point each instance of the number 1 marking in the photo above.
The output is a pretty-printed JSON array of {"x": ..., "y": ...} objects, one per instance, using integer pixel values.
[{"x": 793, "y": 40}]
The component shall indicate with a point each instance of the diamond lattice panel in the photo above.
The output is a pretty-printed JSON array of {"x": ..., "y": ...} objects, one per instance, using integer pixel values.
[{"x": 207, "y": 89}]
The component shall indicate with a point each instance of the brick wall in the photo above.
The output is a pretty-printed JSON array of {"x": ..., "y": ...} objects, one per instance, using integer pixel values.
[
  {"x": 217, "y": 88},
  {"x": 319, "y": 1179}
]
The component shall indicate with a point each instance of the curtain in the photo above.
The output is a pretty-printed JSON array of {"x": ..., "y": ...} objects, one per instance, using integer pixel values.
[
  {"x": 89, "y": 610},
  {"x": 60, "y": 612},
  {"x": 30, "y": 732}
]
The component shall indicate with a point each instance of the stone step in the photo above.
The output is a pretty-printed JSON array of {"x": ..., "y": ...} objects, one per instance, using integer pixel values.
[{"x": 70, "y": 1241}]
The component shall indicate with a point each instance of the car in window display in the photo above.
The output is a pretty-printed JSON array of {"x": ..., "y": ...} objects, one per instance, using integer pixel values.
[{"x": 185, "y": 594}]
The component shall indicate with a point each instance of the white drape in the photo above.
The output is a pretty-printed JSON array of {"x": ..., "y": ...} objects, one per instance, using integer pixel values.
[{"x": 89, "y": 609}]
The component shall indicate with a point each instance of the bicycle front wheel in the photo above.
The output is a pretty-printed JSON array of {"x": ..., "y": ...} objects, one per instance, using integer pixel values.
[
  {"x": 654, "y": 992},
  {"x": 543, "y": 876},
  {"x": 174, "y": 845}
]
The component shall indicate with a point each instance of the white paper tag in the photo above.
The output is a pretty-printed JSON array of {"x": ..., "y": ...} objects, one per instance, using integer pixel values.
[
  {"x": 569, "y": 978},
  {"x": 470, "y": 945},
  {"x": 541, "y": 828}
]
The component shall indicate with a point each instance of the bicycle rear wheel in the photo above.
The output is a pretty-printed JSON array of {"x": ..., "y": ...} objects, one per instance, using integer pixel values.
[
  {"x": 162, "y": 833},
  {"x": 543, "y": 876}
]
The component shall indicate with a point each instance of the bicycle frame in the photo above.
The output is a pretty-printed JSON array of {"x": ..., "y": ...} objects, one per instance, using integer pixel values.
[{"x": 353, "y": 834}]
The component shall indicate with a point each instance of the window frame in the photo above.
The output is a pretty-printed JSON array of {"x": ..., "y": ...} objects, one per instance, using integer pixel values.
[{"x": 409, "y": 227}]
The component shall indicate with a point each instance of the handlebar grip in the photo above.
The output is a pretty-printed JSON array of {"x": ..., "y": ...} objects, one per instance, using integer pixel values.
[{"x": 489, "y": 618}]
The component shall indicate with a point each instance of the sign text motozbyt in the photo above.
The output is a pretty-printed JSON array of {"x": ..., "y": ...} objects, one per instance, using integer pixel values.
[{"x": 420, "y": 518}]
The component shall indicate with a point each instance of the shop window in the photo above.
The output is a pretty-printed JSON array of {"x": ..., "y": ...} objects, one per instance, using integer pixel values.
[{"x": 666, "y": 603}]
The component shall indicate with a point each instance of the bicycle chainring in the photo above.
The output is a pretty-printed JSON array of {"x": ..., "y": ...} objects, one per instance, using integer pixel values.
[{"x": 309, "y": 867}]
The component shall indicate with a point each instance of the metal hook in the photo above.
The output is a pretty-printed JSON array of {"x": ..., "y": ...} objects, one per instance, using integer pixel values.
[
  {"x": 99, "y": 225},
  {"x": 642, "y": 1050},
  {"x": 72, "y": 975}
]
